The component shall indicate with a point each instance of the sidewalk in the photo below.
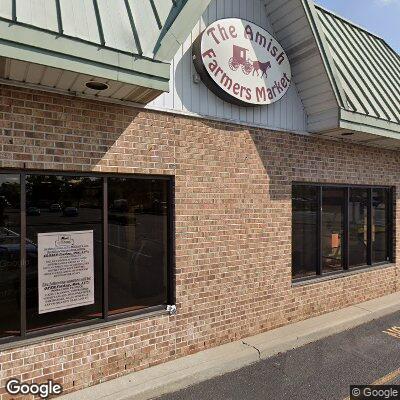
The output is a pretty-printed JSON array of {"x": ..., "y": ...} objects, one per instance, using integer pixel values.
[{"x": 195, "y": 368}]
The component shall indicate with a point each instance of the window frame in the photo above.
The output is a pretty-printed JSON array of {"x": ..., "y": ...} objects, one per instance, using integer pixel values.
[
  {"x": 346, "y": 269},
  {"x": 106, "y": 318}
]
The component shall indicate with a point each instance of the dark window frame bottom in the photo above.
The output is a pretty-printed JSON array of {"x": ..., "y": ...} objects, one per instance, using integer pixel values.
[{"x": 342, "y": 274}]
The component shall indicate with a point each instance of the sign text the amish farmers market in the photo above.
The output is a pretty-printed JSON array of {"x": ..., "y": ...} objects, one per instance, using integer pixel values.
[{"x": 242, "y": 63}]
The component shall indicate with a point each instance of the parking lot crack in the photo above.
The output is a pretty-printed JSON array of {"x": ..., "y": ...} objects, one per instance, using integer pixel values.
[{"x": 255, "y": 348}]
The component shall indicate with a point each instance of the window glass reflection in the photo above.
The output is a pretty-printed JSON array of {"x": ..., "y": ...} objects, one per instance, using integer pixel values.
[
  {"x": 62, "y": 204},
  {"x": 380, "y": 200},
  {"x": 10, "y": 247},
  {"x": 358, "y": 227},
  {"x": 332, "y": 228},
  {"x": 137, "y": 219},
  {"x": 304, "y": 230}
]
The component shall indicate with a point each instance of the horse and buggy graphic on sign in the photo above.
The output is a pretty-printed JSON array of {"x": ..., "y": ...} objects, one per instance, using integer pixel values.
[{"x": 240, "y": 59}]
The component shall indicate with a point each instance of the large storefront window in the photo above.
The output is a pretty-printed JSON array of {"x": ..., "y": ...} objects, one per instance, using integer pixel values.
[
  {"x": 137, "y": 245},
  {"x": 62, "y": 204},
  {"x": 358, "y": 227},
  {"x": 380, "y": 206},
  {"x": 305, "y": 222},
  {"x": 10, "y": 250},
  {"x": 336, "y": 228},
  {"x": 78, "y": 249},
  {"x": 332, "y": 229}
]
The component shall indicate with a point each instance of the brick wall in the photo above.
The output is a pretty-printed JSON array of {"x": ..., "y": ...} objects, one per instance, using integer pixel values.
[{"x": 233, "y": 226}]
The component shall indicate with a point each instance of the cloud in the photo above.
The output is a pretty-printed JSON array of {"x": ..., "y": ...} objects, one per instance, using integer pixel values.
[{"x": 387, "y": 2}]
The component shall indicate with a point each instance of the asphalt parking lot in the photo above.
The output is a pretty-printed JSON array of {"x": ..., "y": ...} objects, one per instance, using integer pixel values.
[{"x": 323, "y": 370}]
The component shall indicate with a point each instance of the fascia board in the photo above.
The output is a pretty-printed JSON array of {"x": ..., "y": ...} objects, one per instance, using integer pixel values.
[
  {"x": 65, "y": 46},
  {"x": 180, "y": 29},
  {"x": 360, "y": 122},
  {"x": 43, "y": 57}
]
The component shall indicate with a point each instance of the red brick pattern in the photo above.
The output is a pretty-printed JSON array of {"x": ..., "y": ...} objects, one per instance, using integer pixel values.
[{"x": 233, "y": 226}]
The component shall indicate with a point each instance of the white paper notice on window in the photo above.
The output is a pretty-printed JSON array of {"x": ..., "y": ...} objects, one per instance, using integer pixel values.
[{"x": 66, "y": 270}]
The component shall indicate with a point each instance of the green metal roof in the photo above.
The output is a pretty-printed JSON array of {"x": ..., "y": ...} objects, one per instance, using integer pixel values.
[
  {"x": 137, "y": 27},
  {"x": 347, "y": 78},
  {"x": 130, "y": 41},
  {"x": 368, "y": 70}
]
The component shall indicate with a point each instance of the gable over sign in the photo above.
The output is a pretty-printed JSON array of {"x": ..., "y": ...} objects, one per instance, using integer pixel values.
[
  {"x": 192, "y": 97},
  {"x": 242, "y": 63}
]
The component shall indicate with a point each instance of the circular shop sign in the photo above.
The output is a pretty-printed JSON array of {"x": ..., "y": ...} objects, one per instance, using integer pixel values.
[{"x": 242, "y": 63}]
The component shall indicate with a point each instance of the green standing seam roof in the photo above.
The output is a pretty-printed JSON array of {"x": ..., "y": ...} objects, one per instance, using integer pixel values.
[
  {"x": 131, "y": 26},
  {"x": 368, "y": 68},
  {"x": 119, "y": 37}
]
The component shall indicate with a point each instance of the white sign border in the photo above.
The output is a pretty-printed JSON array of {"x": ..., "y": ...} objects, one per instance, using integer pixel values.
[
  {"x": 213, "y": 85},
  {"x": 88, "y": 302}
]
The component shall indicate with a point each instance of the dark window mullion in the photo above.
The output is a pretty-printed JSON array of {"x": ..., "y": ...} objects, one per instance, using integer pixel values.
[
  {"x": 170, "y": 243},
  {"x": 369, "y": 228},
  {"x": 390, "y": 225},
  {"x": 346, "y": 228},
  {"x": 105, "y": 248},
  {"x": 23, "y": 255},
  {"x": 319, "y": 231}
]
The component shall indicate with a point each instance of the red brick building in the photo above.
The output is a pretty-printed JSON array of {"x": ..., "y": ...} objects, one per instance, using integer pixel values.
[{"x": 120, "y": 202}]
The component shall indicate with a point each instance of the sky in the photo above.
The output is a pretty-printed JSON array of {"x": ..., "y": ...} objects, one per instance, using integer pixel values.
[{"x": 381, "y": 17}]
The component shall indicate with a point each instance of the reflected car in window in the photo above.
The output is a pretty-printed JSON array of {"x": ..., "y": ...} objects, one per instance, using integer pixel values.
[
  {"x": 70, "y": 212},
  {"x": 10, "y": 248},
  {"x": 33, "y": 211},
  {"x": 10, "y": 252},
  {"x": 55, "y": 208}
]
